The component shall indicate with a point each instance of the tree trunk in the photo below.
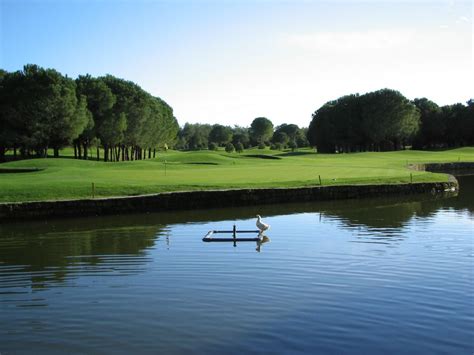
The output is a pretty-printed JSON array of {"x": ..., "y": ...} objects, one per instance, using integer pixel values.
[
  {"x": 75, "y": 151},
  {"x": 149, "y": 153},
  {"x": 154, "y": 153},
  {"x": 56, "y": 152},
  {"x": 86, "y": 153},
  {"x": 2, "y": 153},
  {"x": 106, "y": 153},
  {"x": 98, "y": 153},
  {"x": 79, "y": 151},
  {"x": 14, "y": 153},
  {"x": 123, "y": 152}
]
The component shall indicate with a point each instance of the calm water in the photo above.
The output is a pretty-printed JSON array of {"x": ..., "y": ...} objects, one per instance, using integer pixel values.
[{"x": 361, "y": 277}]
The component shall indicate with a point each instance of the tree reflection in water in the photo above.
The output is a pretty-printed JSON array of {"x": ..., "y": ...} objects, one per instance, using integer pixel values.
[{"x": 56, "y": 250}]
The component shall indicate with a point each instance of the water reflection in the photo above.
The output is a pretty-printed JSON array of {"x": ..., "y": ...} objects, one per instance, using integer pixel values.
[
  {"x": 264, "y": 239},
  {"x": 57, "y": 252},
  {"x": 334, "y": 273},
  {"x": 51, "y": 251}
]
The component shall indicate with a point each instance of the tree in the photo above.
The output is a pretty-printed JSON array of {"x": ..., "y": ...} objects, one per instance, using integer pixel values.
[
  {"x": 469, "y": 122},
  {"x": 452, "y": 116},
  {"x": 194, "y": 136},
  {"x": 241, "y": 134},
  {"x": 301, "y": 137},
  {"x": 41, "y": 110},
  {"x": 291, "y": 130},
  {"x": 380, "y": 120},
  {"x": 100, "y": 101},
  {"x": 281, "y": 138},
  {"x": 239, "y": 147},
  {"x": 64, "y": 132},
  {"x": 229, "y": 147},
  {"x": 213, "y": 146},
  {"x": 432, "y": 127},
  {"x": 321, "y": 131},
  {"x": 261, "y": 130},
  {"x": 293, "y": 145},
  {"x": 7, "y": 112},
  {"x": 220, "y": 134},
  {"x": 388, "y": 119},
  {"x": 160, "y": 128}
]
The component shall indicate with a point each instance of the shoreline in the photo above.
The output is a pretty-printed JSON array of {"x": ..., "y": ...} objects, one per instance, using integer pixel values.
[
  {"x": 189, "y": 200},
  {"x": 200, "y": 199}
]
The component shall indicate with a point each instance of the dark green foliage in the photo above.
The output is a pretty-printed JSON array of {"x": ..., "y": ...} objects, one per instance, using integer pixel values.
[
  {"x": 388, "y": 119},
  {"x": 42, "y": 109},
  {"x": 280, "y": 138},
  {"x": 447, "y": 126},
  {"x": 293, "y": 145},
  {"x": 302, "y": 138},
  {"x": 294, "y": 133},
  {"x": 229, "y": 147},
  {"x": 261, "y": 146},
  {"x": 432, "y": 126},
  {"x": 380, "y": 120},
  {"x": 242, "y": 135},
  {"x": 194, "y": 136},
  {"x": 261, "y": 130},
  {"x": 277, "y": 146},
  {"x": 100, "y": 101},
  {"x": 239, "y": 147},
  {"x": 213, "y": 146},
  {"x": 220, "y": 134}
]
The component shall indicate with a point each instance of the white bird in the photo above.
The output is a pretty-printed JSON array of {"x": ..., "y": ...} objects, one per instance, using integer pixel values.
[{"x": 260, "y": 225}]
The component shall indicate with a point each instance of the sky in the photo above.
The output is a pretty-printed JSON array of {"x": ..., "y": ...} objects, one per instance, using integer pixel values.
[{"x": 230, "y": 61}]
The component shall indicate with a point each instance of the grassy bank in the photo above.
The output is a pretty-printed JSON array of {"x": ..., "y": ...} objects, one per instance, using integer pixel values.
[{"x": 66, "y": 178}]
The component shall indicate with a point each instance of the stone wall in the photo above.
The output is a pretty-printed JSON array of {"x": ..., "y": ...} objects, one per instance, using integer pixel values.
[
  {"x": 209, "y": 199},
  {"x": 449, "y": 167}
]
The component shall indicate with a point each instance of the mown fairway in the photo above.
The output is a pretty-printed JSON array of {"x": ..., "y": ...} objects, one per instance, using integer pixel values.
[{"x": 66, "y": 178}]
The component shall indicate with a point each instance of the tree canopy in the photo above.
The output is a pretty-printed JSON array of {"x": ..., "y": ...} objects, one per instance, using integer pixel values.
[
  {"x": 43, "y": 109},
  {"x": 261, "y": 130},
  {"x": 220, "y": 134},
  {"x": 380, "y": 120}
]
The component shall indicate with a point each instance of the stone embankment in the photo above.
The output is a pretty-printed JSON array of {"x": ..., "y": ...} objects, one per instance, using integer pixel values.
[{"x": 189, "y": 200}]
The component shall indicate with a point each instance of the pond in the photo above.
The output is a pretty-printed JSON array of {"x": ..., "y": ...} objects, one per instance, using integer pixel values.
[{"x": 388, "y": 275}]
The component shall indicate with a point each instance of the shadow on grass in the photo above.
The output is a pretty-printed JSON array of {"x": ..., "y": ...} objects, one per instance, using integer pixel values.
[
  {"x": 294, "y": 154},
  {"x": 19, "y": 170},
  {"x": 262, "y": 156}
]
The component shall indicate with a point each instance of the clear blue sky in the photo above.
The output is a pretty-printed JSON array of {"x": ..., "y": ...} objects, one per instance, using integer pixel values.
[{"x": 231, "y": 61}]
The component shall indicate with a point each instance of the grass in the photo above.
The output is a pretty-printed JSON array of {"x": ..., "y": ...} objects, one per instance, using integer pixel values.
[{"x": 66, "y": 178}]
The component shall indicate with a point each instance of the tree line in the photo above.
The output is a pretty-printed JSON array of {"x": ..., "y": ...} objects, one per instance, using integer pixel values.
[
  {"x": 386, "y": 120},
  {"x": 261, "y": 133},
  {"x": 42, "y": 109}
]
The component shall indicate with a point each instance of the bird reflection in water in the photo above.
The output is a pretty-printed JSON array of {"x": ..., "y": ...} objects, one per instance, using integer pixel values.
[{"x": 262, "y": 239}]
